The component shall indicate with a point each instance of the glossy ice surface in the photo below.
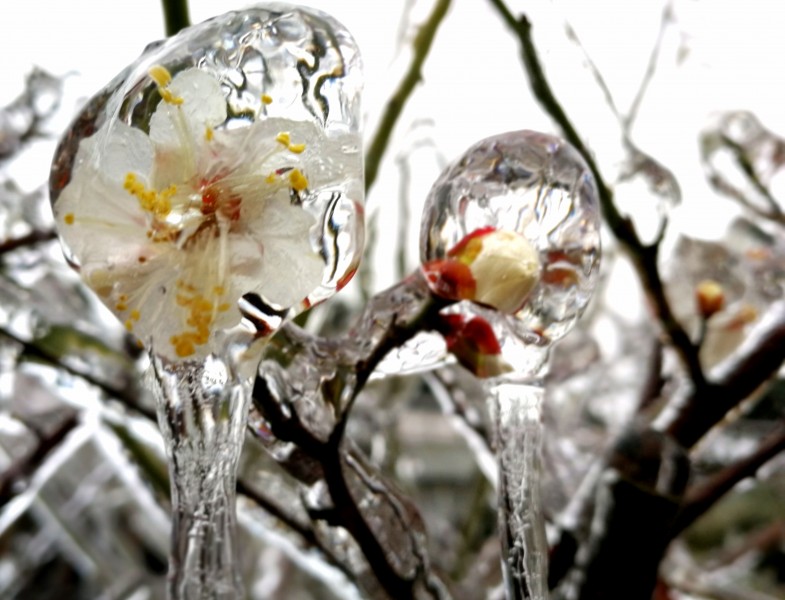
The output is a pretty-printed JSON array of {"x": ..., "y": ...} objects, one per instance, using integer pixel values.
[
  {"x": 513, "y": 224},
  {"x": 218, "y": 177}
]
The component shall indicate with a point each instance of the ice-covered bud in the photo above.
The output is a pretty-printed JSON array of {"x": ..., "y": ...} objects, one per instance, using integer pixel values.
[
  {"x": 513, "y": 224},
  {"x": 474, "y": 344},
  {"x": 709, "y": 297},
  {"x": 497, "y": 268}
]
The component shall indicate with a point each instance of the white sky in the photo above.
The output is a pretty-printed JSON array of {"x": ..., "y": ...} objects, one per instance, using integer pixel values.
[{"x": 732, "y": 56}]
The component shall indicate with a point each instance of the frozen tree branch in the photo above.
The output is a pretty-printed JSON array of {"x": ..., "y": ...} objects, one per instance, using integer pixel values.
[{"x": 422, "y": 46}]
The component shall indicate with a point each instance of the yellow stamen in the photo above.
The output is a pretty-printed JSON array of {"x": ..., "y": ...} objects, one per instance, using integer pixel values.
[
  {"x": 208, "y": 134},
  {"x": 163, "y": 78},
  {"x": 121, "y": 306},
  {"x": 267, "y": 99},
  {"x": 200, "y": 316},
  {"x": 223, "y": 307},
  {"x": 129, "y": 325},
  {"x": 297, "y": 148},
  {"x": 169, "y": 97},
  {"x": 157, "y": 203},
  {"x": 160, "y": 75},
  {"x": 283, "y": 138},
  {"x": 135, "y": 314},
  {"x": 270, "y": 178},
  {"x": 298, "y": 180},
  {"x": 184, "y": 348},
  {"x": 69, "y": 218}
]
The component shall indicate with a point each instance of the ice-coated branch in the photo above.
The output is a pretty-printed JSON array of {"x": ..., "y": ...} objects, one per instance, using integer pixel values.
[
  {"x": 21, "y": 120},
  {"x": 316, "y": 377},
  {"x": 19, "y": 470},
  {"x": 422, "y": 47},
  {"x": 740, "y": 157},
  {"x": 127, "y": 393},
  {"x": 756, "y": 361},
  {"x": 759, "y": 358},
  {"x": 347, "y": 491},
  {"x": 635, "y": 497},
  {"x": 644, "y": 257},
  {"x": 704, "y": 495}
]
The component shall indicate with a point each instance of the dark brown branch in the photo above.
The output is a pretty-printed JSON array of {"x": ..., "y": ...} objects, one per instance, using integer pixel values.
[
  {"x": 644, "y": 257},
  {"x": 175, "y": 15},
  {"x": 756, "y": 361},
  {"x": 351, "y": 518},
  {"x": 307, "y": 534},
  {"x": 24, "y": 467},
  {"x": 398, "y": 331},
  {"x": 127, "y": 396},
  {"x": 703, "y": 496},
  {"x": 390, "y": 319},
  {"x": 345, "y": 512},
  {"x": 30, "y": 239}
]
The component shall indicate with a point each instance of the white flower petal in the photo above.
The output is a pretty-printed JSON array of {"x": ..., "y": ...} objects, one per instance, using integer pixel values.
[
  {"x": 290, "y": 272},
  {"x": 289, "y": 269},
  {"x": 203, "y": 105},
  {"x": 282, "y": 221},
  {"x": 125, "y": 150},
  {"x": 101, "y": 222}
]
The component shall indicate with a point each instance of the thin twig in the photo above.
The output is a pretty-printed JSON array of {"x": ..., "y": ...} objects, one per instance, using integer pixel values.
[
  {"x": 127, "y": 396},
  {"x": 654, "y": 58},
  {"x": 421, "y": 46},
  {"x": 36, "y": 236},
  {"x": 774, "y": 212},
  {"x": 759, "y": 358},
  {"x": 27, "y": 465},
  {"x": 703, "y": 496},
  {"x": 644, "y": 257}
]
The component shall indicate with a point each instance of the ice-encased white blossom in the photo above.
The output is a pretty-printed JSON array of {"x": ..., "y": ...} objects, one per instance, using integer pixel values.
[{"x": 173, "y": 227}]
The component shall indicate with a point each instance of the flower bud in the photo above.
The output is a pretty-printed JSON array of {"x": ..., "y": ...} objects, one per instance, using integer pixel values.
[
  {"x": 494, "y": 267},
  {"x": 710, "y": 298},
  {"x": 474, "y": 344}
]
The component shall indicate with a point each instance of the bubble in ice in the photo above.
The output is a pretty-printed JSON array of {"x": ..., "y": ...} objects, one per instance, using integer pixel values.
[
  {"x": 218, "y": 176},
  {"x": 513, "y": 225}
]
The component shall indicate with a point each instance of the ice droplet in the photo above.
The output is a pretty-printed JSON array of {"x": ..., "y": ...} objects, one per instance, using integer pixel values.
[
  {"x": 511, "y": 228},
  {"x": 229, "y": 153},
  {"x": 537, "y": 187}
]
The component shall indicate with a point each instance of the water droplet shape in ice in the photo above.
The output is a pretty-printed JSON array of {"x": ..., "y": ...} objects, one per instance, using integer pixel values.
[
  {"x": 219, "y": 176},
  {"x": 513, "y": 225}
]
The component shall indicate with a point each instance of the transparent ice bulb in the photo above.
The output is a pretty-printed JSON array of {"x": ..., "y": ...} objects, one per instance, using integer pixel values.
[
  {"x": 225, "y": 163},
  {"x": 210, "y": 191},
  {"x": 511, "y": 229}
]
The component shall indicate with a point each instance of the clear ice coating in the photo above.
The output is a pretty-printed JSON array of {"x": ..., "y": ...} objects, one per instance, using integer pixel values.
[
  {"x": 218, "y": 177},
  {"x": 513, "y": 224},
  {"x": 211, "y": 190},
  {"x": 512, "y": 229}
]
